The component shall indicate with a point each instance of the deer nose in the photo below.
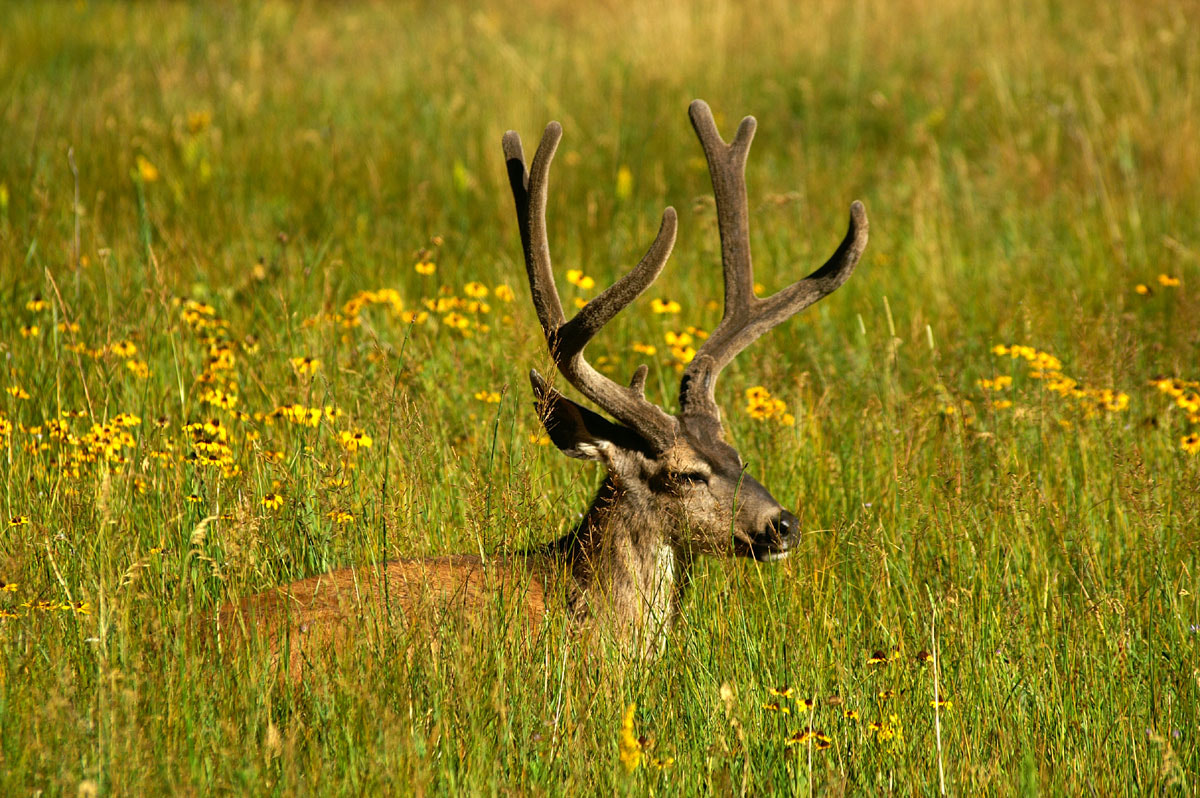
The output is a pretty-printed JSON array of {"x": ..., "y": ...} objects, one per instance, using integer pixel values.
[
  {"x": 786, "y": 525},
  {"x": 775, "y": 541}
]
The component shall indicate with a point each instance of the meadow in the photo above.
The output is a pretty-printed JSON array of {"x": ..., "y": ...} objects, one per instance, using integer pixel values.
[{"x": 264, "y": 314}]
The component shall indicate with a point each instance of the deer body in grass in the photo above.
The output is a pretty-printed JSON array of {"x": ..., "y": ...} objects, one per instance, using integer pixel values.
[{"x": 675, "y": 487}]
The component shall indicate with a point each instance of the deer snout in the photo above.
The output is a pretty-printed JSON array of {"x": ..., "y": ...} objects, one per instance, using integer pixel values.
[{"x": 775, "y": 541}]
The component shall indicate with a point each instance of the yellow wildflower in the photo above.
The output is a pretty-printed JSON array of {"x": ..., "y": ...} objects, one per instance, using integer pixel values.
[
  {"x": 36, "y": 305},
  {"x": 1167, "y": 281},
  {"x": 645, "y": 349},
  {"x": 197, "y": 121},
  {"x": 475, "y": 290},
  {"x": 683, "y": 354},
  {"x": 413, "y": 316},
  {"x": 456, "y": 321},
  {"x": 1116, "y": 403},
  {"x": 341, "y": 517},
  {"x": 306, "y": 365},
  {"x": 624, "y": 183},
  {"x": 272, "y": 501},
  {"x": 147, "y": 171},
  {"x": 490, "y": 397},
  {"x": 761, "y": 406},
  {"x": 628, "y": 742},
  {"x": 1142, "y": 289},
  {"x": 996, "y": 384},
  {"x": 19, "y": 520},
  {"x": 677, "y": 339},
  {"x": 30, "y": 331},
  {"x": 665, "y": 306},
  {"x": 1190, "y": 443},
  {"x": 353, "y": 441},
  {"x": 819, "y": 740},
  {"x": 577, "y": 278},
  {"x": 425, "y": 267}
]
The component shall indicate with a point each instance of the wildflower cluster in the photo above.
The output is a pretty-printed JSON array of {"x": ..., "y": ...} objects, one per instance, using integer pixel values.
[
  {"x": 462, "y": 314},
  {"x": 302, "y": 415},
  {"x": 763, "y": 407},
  {"x": 1043, "y": 366},
  {"x": 350, "y": 314},
  {"x": 680, "y": 346},
  {"x": 1185, "y": 395},
  {"x": 888, "y": 684},
  {"x": 217, "y": 378},
  {"x": 1164, "y": 280},
  {"x": 209, "y": 446},
  {"x": 577, "y": 278},
  {"x": 32, "y": 606}
]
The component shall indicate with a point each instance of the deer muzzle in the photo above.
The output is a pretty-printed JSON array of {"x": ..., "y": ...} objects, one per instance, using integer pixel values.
[{"x": 776, "y": 541}]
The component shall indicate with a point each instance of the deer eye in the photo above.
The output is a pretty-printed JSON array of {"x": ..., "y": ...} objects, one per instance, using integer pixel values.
[{"x": 689, "y": 477}]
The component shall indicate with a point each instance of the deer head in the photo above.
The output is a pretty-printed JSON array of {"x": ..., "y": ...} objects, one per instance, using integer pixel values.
[{"x": 674, "y": 474}]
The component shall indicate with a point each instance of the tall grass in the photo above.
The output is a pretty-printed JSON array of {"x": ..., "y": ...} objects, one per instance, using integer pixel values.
[{"x": 244, "y": 170}]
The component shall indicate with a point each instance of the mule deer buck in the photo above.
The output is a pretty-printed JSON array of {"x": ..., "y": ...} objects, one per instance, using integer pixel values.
[{"x": 674, "y": 487}]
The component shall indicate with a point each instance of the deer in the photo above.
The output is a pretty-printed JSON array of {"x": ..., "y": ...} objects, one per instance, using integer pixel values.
[{"x": 674, "y": 488}]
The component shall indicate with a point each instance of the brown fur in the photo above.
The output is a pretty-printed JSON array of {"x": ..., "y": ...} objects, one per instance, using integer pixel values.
[{"x": 312, "y": 617}]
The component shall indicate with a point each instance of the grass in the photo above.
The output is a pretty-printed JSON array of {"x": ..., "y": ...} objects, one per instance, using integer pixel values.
[{"x": 244, "y": 170}]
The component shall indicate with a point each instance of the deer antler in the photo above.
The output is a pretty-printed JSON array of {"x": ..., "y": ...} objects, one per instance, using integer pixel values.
[
  {"x": 567, "y": 339},
  {"x": 746, "y": 316}
]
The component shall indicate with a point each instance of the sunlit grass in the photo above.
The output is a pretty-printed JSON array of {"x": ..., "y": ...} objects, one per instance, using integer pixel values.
[{"x": 265, "y": 315}]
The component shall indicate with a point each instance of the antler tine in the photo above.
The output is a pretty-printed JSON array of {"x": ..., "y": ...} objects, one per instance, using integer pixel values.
[
  {"x": 747, "y": 317},
  {"x": 726, "y": 165},
  {"x": 529, "y": 194},
  {"x": 567, "y": 339}
]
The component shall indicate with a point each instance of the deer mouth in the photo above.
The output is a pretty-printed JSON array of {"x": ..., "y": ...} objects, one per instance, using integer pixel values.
[
  {"x": 772, "y": 551},
  {"x": 776, "y": 541}
]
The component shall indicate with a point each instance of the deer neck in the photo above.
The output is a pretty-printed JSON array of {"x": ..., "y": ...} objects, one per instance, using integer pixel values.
[{"x": 625, "y": 575}]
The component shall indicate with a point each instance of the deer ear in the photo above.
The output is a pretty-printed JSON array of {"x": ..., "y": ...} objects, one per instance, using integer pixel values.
[{"x": 575, "y": 430}]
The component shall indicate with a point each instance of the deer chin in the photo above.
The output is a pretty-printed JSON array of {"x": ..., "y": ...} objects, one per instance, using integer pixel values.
[{"x": 769, "y": 553}]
